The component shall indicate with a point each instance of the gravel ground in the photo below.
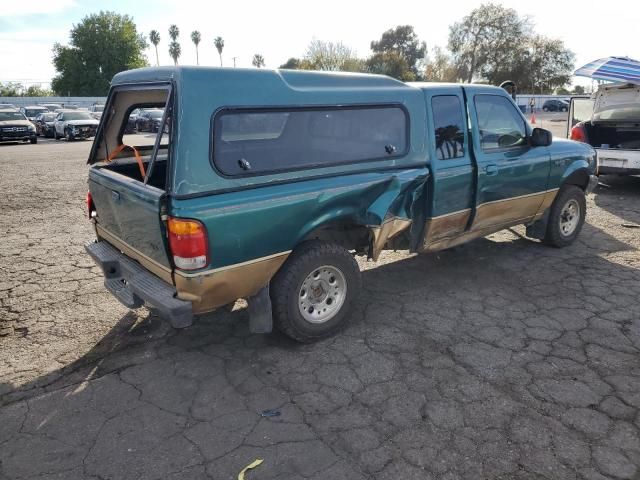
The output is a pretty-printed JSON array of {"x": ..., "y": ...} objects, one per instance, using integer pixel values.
[{"x": 500, "y": 359}]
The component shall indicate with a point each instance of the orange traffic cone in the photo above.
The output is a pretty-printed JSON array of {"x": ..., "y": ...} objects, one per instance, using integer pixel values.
[{"x": 533, "y": 119}]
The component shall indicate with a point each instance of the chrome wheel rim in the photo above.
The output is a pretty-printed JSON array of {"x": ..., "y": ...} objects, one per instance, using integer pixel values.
[
  {"x": 569, "y": 217},
  {"x": 322, "y": 294}
]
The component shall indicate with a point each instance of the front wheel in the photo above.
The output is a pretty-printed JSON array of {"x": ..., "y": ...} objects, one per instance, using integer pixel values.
[
  {"x": 314, "y": 291},
  {"x": 68, "y": 136},
  {"x": 566, "y": 217}
]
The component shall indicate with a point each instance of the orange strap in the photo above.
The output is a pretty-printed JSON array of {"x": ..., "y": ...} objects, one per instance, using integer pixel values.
[{"x": 114, "y": 153}]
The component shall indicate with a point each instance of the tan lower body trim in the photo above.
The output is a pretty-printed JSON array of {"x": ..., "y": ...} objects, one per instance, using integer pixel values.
[
  {"x": 210, "y": 290},
  {"x": 385, "y": 232},
  {"x": 154, "y": 267},
  {"x": 447, "y": 231}
]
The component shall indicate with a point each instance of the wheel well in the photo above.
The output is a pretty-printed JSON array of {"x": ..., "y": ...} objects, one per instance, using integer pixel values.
[
  {"x": 348, "y": 235},
  {"x": 579, "y": 178}
]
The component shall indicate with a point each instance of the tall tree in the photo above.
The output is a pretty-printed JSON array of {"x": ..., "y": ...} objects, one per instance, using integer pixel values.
[
  {"x": 174, "y": 47},
  {"x": 195, "y": 38},
  {"x": 292, "y": 64},
  {"x": 334, "y": 56},
  {"x": 174, "y": 32},
  {"x": 486, "y": 40},
  {"x": 258, "y": 61},
  {"x": 101, "y": 45},
  {"x": 175, "y": 50},
  {"x": 219, "y": 43},
  {"x": 154, "y": 38},
  {"x": 405, "y": 42}
]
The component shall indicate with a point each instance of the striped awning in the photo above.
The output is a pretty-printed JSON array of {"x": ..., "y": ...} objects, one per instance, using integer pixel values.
[{"x": 612, "y": 69}]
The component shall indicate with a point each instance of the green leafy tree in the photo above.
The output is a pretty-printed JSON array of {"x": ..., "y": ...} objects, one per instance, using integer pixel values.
[
  {"x": 292, "y": 64},
  {"x": 195, "y": 38},
  {"x": 258, "y": 61},
  {"x": 486, "y": 40},
  {"x": 391, "y": 63},
  {"x": 219, "y": 44},
  {"x": 37, "y": 91},
  {"x": 154, "y": 38},
  {"x": 404, "y": 42},
  {"x": 10, "y": 89},
  {"x": 578, "y": 90},
  {"x": 101, "y": 45}
]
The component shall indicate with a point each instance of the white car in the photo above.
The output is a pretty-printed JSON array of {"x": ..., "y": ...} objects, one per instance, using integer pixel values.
[
  {"x": 609, "y": 121},
  {"x": 73, "y": 124}
]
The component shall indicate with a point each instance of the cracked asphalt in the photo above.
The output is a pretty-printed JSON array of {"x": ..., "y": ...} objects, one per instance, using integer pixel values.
[{"x": 500, "y": 359}]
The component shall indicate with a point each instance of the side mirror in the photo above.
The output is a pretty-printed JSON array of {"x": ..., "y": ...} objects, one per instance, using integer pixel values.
[{"x": 541, "y": 138}]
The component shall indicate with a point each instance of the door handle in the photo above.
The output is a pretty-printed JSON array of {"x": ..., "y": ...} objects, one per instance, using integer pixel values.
[{"x": 491, "y": 169}]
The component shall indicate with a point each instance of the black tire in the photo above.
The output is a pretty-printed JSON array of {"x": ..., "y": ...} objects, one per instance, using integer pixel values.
[
  {"x": 33, "y": 140},
  {"x": 68, "y": 136},
  {"x": 287, "y": 285},
  {"x": 555, "y": 235}
]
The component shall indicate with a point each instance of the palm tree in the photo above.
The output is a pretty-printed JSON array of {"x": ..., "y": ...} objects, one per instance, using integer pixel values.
[
  {"x": 219, "y": 43},
  {"x": 154, "y": 36},
  {"x": 195, "y": 38},
  {"x": 174, "y": 31},
  {"x": 175, "y": 51},
  {"x": 258, "y": 60}
]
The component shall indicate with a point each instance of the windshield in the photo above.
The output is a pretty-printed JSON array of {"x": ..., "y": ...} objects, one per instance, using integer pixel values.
[
  {"x": 6, "y": 116},
  {"x": 32, "y": 112},
  {"x": 77, "y": 116}
]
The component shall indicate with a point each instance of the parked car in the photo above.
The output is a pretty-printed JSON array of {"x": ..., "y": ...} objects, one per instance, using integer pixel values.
[
  {"x": 15, "y": 127},
  {"x": 609, "y": 121},
  {"x": 10, "y": 106},
  {"x": 44, "y": 124},
  {"x": 72, "y": 124},
  {"x": 96, "y": 110},
  {"x": 52, "y": 107},
  {"x": 31, "y": 112},
  {"x": 555, "y": 106},
  {"x": 269, "y": 192},
  {"x": 149, "y": 120}
]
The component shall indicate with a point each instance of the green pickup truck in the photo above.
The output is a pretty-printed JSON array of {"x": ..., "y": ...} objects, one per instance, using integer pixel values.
[{"x": 264, "y": 184}]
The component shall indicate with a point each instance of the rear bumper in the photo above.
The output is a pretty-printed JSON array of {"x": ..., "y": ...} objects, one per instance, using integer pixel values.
[{"x": 134, "y": 286}]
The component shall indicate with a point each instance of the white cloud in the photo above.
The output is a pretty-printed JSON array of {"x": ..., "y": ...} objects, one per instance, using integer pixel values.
[{"x": 22, "y": 8}]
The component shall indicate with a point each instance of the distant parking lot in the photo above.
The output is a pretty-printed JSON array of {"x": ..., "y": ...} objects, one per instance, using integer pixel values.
[{"x": 500, "y": 359}]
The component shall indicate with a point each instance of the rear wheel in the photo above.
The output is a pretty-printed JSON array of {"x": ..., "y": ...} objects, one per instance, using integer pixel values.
[
  {"x": 314, "y": 291},
  {"x": 566, "y": 217}
]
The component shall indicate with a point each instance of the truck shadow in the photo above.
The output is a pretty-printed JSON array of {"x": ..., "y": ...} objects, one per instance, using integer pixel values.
[
  {"x": 506, "y": 262},
  {"x": 620, "y": 196}
]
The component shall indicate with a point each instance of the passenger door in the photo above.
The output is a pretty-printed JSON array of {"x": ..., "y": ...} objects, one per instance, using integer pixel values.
[
  {"x": 512, "y": 176},
  {"x": 452, "y": 178}
]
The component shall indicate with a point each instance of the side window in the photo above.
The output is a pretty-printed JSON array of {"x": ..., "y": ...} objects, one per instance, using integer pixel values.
[
  {"x": 449, "y": 126},
  {"x": 271, "y": 140},
  {"x": 500, "y": 125}
]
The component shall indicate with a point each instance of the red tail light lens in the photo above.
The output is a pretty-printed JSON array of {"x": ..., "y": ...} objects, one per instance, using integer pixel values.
[
  {"x": 188, "y": 243},
  {"x": 578, "y": 133},
  {"x": 90, "y": 206}
]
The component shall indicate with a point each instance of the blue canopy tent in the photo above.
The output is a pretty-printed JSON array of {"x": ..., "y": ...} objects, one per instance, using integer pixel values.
[{"x": 612, "y": 69}]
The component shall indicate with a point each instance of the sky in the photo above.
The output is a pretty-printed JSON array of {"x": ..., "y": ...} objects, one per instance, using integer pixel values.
[{"x": 279, "y": 29}]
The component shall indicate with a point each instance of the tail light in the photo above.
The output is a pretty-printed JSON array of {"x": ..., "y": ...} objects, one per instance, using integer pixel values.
[
  {"x": 188, "y": 243},
  {"x": 578, "y": 133},
  {"x": 91, "y": 209}
]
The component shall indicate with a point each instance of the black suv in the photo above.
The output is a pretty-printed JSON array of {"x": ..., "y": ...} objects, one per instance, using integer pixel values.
[{"x": 555, "y": 106}]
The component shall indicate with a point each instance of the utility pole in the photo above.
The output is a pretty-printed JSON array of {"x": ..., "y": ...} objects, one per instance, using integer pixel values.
[{"x": 234, "y": 61}]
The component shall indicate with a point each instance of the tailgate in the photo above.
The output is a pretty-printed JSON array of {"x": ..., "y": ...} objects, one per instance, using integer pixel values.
[{"x": 128, "y": 217}]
